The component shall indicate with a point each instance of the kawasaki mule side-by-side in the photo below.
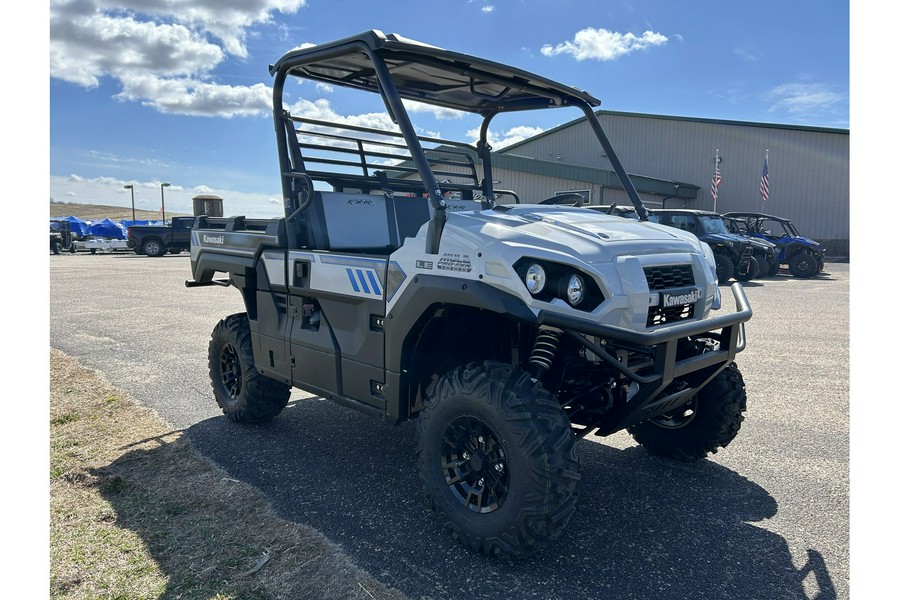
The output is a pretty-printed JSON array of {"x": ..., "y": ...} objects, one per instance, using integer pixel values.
[{"x": 506, "y": 329}]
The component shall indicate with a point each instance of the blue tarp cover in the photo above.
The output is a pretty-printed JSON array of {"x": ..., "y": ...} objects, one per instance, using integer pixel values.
[
  {"x": 76, "y": 225},
  {"x": 107, "y": 228}
]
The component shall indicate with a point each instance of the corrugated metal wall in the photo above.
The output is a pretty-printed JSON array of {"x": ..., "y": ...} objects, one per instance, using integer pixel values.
[
  {"x": 809, "y": 168},
  {"x": 534, "y": 188}
]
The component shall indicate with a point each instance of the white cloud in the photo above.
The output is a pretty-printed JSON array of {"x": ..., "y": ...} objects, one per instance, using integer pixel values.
[
  {"x": 84, "y": 48},
  {"x": 501, "y": 139},
  {"x": 114, "y": 159},
  {"x": 807, "y": 101},
  {"x": 110, "y": 191},
  {"x": 602, "y": 44},
  {"x": 487, "y": 9},
  {"x": 321, "y": 110},
  {"x": 746, "y": 54},
  {"x": 190, "y": 97},
  {"x": 438, "y": 112},
  {"x": 162, "y": 51}
]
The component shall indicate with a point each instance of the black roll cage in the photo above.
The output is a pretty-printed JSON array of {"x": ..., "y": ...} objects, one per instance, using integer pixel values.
[{"x": 400, "y": 69}]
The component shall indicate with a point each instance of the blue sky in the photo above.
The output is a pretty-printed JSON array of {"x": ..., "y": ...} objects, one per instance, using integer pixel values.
[{"x": 149, "y": 91}]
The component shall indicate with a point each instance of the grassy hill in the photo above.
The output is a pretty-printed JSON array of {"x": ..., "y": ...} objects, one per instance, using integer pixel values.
[{"x": 98, "y": 212}]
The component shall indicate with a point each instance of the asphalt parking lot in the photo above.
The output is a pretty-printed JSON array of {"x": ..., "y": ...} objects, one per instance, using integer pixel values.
[{"x": 767, "y": 517}]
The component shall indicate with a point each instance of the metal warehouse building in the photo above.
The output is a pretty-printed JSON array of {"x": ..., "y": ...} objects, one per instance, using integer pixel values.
[{"x": 672, "y": 160}]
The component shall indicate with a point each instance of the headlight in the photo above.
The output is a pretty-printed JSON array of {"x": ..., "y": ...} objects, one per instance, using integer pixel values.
[
  {"x": 560, "y": 284},
  {"x": 575, "y": 290},
  {"x": 535, "y": 279}
]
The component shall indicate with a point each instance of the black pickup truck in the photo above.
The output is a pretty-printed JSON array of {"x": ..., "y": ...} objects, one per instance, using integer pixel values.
[{"x": 156, "y": 240}]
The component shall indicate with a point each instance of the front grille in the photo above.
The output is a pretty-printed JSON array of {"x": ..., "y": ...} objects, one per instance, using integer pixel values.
[
  {"x": 669, "y": 276},
  {"x": 658, "y": 315}
]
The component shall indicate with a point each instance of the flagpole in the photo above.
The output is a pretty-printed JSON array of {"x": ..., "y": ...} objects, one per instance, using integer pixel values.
[
  {"x": 764, "y": 181},
  {"x": 715, "y": 183}
]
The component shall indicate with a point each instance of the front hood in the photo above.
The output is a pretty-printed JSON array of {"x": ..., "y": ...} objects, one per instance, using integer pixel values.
[
  {"x": 808, "y": 242},
  {"x": 803, "y": 241},
  {"x": 724, "y": 238},
  {"x": 591, "y": 235},
  {"x": 762, "y": 244}
]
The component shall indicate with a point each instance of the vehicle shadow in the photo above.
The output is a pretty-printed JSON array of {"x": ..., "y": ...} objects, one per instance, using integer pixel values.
[{"x": 644, "y": 528}]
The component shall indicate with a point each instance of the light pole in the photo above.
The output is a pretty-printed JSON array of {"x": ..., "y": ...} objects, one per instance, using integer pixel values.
[
  {"x": 133, "y": 218},
  {"x": 162, "y": 194}
]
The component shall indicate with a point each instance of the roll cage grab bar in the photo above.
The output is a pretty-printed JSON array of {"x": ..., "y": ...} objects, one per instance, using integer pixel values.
[{"x": 296, "y": 182}]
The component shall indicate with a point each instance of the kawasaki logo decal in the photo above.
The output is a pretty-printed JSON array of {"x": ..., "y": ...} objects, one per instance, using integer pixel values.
[
  {"x": 213, "y": 239},
  {"x": 680, "y": 299}
]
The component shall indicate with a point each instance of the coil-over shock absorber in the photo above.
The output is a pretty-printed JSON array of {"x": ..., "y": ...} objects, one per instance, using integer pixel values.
[{"x": 544, "y": 351}]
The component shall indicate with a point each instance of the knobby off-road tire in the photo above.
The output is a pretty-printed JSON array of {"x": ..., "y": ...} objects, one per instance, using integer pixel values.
[
  {"x": 153, "y": 247},
  {"x": 803, "y": 265},
  {"x": 241, "y": 392},
  {"x": 724, "y": 268},
  {"x": 709, "y": 421},
  {"x": 497, "y": 459},
  {"x": 752, "y": 271}
]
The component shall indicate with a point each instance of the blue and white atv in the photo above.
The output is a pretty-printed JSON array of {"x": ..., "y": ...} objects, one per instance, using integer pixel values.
[{"x": 803, "y": 256}]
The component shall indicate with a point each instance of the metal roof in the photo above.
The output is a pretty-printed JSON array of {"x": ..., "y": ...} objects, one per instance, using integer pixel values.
[
  {"x": 429, "y": 74},
  {"x": 601, "y": 113}
]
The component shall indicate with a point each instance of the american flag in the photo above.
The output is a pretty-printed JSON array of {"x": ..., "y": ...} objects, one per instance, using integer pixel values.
[
  {"x": 764, "y": 181},
  {"x": 716, "y": 180}
]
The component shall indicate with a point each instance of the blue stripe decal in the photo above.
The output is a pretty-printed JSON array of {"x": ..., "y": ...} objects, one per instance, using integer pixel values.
[
  {"x": 362, "y": 281},
  {"x": 374, "y": 282},
  {"x": 352, "y": 280}
]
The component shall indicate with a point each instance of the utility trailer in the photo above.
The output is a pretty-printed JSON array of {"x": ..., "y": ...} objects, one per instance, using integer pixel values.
[
  {"x": 401, "y": 283},
  {"x": 103, "y": 245}
]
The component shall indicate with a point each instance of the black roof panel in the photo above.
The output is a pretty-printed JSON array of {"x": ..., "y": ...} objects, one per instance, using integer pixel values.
[{"x": 429, "y": 74}]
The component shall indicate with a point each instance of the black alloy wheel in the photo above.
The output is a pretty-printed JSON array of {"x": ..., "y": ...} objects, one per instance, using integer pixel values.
[
  {"x": 497, "y": 459},
  {"x": 803, "y": 265},
  {"x": 230, "y": 370},
  {"x": 243, "y": 394},
  {"x": 474, "y": 464}
]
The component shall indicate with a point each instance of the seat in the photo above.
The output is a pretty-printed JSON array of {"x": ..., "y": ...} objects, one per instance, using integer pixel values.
[
  {"x": 368, "y": 223},
  {"x": 350, "y": 222}
]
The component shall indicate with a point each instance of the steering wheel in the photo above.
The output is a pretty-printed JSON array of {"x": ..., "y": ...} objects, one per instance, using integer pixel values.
[{"x": 567, "y": 199}]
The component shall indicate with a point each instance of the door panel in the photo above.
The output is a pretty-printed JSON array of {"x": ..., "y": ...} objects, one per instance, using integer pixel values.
[{"x": 337, "y": 341}]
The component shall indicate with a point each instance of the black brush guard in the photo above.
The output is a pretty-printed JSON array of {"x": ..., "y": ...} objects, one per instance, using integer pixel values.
[{"x": 652, "y": 398}]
